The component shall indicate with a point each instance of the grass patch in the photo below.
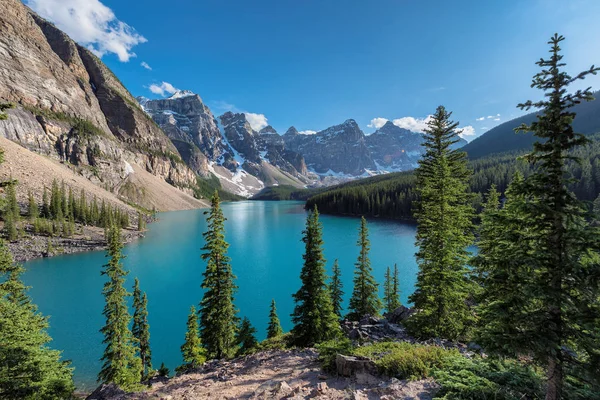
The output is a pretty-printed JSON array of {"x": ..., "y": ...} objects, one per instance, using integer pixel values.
[
  {"x": 404, "y": 360},
  {"x": 281, "y": 342},
  {"x": 81, "y": 126}
]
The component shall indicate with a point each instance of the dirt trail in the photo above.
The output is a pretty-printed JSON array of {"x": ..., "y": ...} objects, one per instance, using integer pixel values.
[{"x": 292, "y": 374}]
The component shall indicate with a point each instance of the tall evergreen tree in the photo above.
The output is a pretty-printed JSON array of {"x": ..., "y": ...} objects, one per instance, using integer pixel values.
[
  {"x": 365, "y": 299},
  {"x": 444, "y": 231},
  {"x": 245, "y": 338},
  {"x": 313, "y": 316},
  {"x": 29, "y": 369},
  {"x": 553, "y": 255},
  {"x": 33, "y": 210},
  {"x": 217, "y": 311},
  {"x": 45, "y": 205},
  {"x": 120, "y": 364},
  {"x": 192, "y": 351},
  {"x": 141, "y": 222},
  {"x": 391, "y": 297},
  {"x": 141, "y": 329},
  {"x": 336, "y": 289},
  {"x": 274, "y": 327},
  {"x": 12, "y": 206}
]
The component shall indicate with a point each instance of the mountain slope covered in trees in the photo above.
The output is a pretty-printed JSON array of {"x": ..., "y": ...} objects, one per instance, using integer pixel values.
[{"x": 503, "y": 138}]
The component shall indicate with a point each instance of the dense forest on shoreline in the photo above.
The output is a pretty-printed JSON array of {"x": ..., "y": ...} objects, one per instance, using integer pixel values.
[{"x": 392, "y": 195}]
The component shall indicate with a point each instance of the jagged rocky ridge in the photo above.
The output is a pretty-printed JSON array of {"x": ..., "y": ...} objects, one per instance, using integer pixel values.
[{"x": 71, "y": 107}]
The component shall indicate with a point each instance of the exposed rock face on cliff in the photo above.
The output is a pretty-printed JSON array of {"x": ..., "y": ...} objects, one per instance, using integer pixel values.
[
  {"x": 191, "y": 126},
  {"x": 339, "y": 149},
  {"x": 72, "y": 108},
  {"x": 397, "y": 149},
  {"x": 394, "y": 148}
]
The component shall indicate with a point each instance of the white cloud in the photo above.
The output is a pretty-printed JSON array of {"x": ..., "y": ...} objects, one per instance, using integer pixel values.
[
  {"x": 377, "y": 122},
  {"x": 307, "y": 132},
  {"x": 92, "y": 24},
  {"x": 480, "y": 119},
  {"x": 412, "y": 124},
  {"x": 163, "y": 89},
  {"x": 256, "y": 121},
  {"x": 466, "y": 131},
  {"x": 494, "y": 117},
  {"x": 145, "y": 65}
]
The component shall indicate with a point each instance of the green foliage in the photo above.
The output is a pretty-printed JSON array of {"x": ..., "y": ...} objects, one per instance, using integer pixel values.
[
  {"x": 365, "y": 299},
  {"x": 336, "y": 289},
  {"x": 3, "y": 115},
  {"x": 192, "y": 351},
  {"x": 141, "y": 222},
  {"x": 543, "y": 243},
  {"x": 141, "y": 329},
  {"x": 485, "y": 379},
  {"x": 163, "y": 370},
  {"x": 285, "y": 192},
  {"x": 385, "y": 196},
  {"x": 120, "y": 364},
  {"x": 29, "y": 369},
  {"x": 205, "y": 187},
  {"x": 274, "y": 327},
  {"x": 328, "y": 351},
  {"x": 313, "y": 316},
  {"x": 33, "y": 211},
  {"x": 80, "y": 126},
  {"x": 404, "y": 360},
  {"x": 391, "y": 290},
  {"x": 245, "y": 338},
  {"x": 360, "y": 197},
  {"x": 217, "y": 311},
  {"x": 444, "y": 223},
  {"x": 280, "y": 342}
]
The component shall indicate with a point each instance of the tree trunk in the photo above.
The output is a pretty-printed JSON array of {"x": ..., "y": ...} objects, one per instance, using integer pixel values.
[{"x": 555, "y": 378}]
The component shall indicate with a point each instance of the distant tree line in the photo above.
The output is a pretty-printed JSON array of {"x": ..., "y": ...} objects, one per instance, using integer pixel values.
[{"x": 392, "y": 195}]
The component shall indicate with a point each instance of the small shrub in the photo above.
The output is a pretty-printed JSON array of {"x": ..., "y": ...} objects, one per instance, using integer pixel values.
[
  {"x": 163, "y": 370},
  {"x": 404, "y": 360},
  {"x": 483, "y": 379},
  {"x": 281, "y": 342},
  {"x": 330, "y": 349}
]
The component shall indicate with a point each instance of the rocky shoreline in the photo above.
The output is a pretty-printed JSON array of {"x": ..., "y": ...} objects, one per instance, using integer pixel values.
[{"x": 88, "y": 238}]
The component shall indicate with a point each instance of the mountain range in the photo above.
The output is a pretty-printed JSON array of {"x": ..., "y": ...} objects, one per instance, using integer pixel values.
[{"x": 72, "y": 108}]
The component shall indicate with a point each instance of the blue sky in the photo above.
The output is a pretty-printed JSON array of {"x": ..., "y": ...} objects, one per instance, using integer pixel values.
[{"x": 313, "y": 64}]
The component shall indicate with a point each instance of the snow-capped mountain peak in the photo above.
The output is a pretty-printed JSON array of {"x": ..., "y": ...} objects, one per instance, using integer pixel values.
[{"x": 182, "y": 93}]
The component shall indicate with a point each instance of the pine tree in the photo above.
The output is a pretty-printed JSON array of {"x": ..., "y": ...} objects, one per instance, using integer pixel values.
[
  {"x": 141, "y": 329},
  {"x": 29, "y": 369},
  {"x": 10, "y": 227},
  {"x": 365, "y": 299},
  {"x": 45, "y": 205},
  {"x": 396, "y": 289},
  {"x": 274, "y": 327},
  {"x": 444, "y": 231},
  {"x": 313, "y": 316},
  {"x": 192, "y": 351},
  {"x": 33, "y": 210},
  {"x": 391, "y": 292},
  {"x": 552, "y": 258},
  {"x": 245, "y": 338},
  {"x": 217, "y": 311},
  {"x": 12, "y": 206},
  {"x": 335, "y": 289},
  {"x": 83, "y": 209},
  {"x": 120, "y": 364},
  {"x": 141, "y": 223}
]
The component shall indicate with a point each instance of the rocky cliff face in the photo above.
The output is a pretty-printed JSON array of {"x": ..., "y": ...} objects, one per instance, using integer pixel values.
[
  {"x": 339, "y": 149},
  {"x": 394, "y": 148},
  {"x": 71, "y": 107}
]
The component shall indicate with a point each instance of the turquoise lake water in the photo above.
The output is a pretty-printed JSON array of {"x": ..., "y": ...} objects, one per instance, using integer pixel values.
[{"x": 266, "y": 252}]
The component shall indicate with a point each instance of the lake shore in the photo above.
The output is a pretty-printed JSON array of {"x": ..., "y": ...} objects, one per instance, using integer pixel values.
[{"x": 87, "y": 238}]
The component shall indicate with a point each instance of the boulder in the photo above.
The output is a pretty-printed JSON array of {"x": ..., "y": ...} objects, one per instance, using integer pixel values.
[
  {"x": 106, "y": 392},
  {"x": 351, "y": 365},
  {"x": 399, "y": 314}
]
